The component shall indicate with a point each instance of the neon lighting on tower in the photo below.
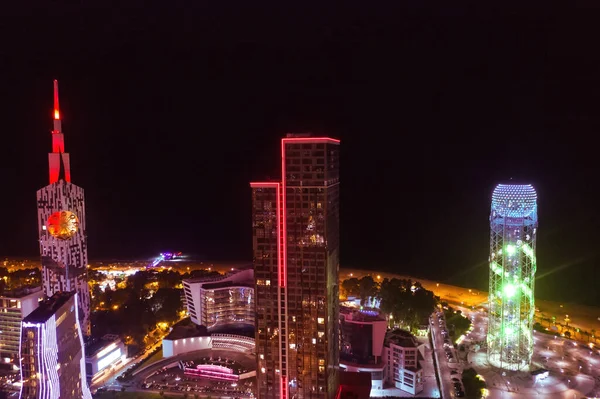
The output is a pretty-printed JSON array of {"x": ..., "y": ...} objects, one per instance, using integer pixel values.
[
  {"x": 513, "y": 230},
  {"x": 58, "y": 158}
]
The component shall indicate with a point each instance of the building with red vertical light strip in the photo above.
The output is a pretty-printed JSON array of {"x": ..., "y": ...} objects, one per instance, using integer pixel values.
[
  {"x": 296, "y": 265},
  {"x": 61, "y": 226}
]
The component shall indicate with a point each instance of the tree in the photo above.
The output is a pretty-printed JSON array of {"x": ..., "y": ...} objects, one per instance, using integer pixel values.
[
  {"x": 167, "y": 304},
  {"x": 351, "y": 286},
  {"x": 137, "y": 281},
  {"x": 367, "y": 288},
  {"x": 568, "y": 334},
  {"x": 473, "y": 385}
]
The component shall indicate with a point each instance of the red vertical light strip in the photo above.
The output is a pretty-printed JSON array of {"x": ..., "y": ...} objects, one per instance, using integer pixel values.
[
  {"x": 56, "y": 107},
  {"x": 279, "y": 258},
  {"x": 284, "y": 213},
  {"x": 284, "y": 386}
]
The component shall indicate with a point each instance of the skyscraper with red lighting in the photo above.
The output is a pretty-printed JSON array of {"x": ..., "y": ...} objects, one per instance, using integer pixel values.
[
  {"x": 61, "y": 225},
  {"x": 296, "y": 264}
]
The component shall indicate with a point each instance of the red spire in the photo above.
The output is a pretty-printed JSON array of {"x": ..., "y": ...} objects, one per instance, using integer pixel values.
[
  {"x": 56, "y": 108},
  {"x": 58, "y": 158}
]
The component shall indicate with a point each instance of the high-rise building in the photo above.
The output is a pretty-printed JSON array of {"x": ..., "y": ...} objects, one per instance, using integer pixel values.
[
  {"x": 52, "y": 359},
  {"x": 14, "y": 307},
  {"x": 296, "y": 265},
  {"x": 513, "y": 226},
  {"x": 61, "y": 223}
]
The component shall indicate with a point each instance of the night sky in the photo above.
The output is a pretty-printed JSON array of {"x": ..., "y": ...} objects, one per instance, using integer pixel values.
[{"x": 169, "y": 113}]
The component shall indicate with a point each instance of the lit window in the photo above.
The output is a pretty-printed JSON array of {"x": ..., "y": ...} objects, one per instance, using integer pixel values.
[
  {"x": 314, "y": 341},
  {"x": 321, "y": 369},
  {"x": 262, "y": 356},
  {"x": 292, "y": 346},
  {"x": 321, "y": 334},
  {"x": 321, "y": 362},
  {"x": 268, "y": 282},
  {"x": 321, "y": 320},
  {"x": 262, "y": 370}
]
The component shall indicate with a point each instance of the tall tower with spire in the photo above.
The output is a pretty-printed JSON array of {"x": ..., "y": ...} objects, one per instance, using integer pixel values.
[{"x": 61, "y": 225}]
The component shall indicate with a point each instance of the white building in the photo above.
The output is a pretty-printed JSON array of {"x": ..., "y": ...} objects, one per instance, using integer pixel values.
[
  {"x": 223, "y": 301},
  {"x": 103, "y": 355},
  {"x": 402, "y": 362},
  {"x": 14, "y": 307}
]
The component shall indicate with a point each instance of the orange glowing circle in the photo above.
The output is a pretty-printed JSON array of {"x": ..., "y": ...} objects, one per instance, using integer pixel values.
[{"x": 63, "y": 224}]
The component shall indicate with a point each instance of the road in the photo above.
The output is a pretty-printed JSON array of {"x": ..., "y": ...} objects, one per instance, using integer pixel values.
[
  {"x": 110, "y": 380},
  {"x": 444, "y": 367}
]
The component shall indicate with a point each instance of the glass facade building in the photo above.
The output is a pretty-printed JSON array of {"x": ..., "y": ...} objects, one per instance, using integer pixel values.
[
  {"x": 296, "y": 264},
  {"x": 513, "y": 230},
  {"x": 223, "y": 302}
]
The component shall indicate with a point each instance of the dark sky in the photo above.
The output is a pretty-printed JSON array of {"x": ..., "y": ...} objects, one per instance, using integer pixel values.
[{"x": 169, "y": 112}]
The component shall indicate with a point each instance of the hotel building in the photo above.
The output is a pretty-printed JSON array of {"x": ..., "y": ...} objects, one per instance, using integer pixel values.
[
  {"x": 222, "y": 302},
  {"x": 52, "y": 359},
  {"x": 295, "y": 225},
  {"x": 402, "y": 358},
  {"x": 14, "y": 307},
  {"x": 362, "y": 334}
]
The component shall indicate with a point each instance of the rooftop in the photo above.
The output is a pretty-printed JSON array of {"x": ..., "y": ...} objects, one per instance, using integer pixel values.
[
  {"x": 226, "y": 284},
  {"x": 401, "y": 338},
  {"x": 96, "y": 346},
  {"x": 365, "y": 315},
  {"x": 186, "y": 329},
  {"x": 49, "y": 307},
  {"x": 215, "y": 279},
  {"x": 21, "y": 292}
]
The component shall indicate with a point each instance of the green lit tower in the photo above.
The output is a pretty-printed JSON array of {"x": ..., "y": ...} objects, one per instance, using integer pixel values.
[{"x": 513, "y": 229}]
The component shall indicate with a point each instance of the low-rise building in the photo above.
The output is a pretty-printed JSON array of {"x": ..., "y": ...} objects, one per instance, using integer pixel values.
[
  {"x": 103, "y": 355},
  {"x": 402, "y": 361},
  {"x": 14, "y": 307},
  {"x": 362, "y": 334}
]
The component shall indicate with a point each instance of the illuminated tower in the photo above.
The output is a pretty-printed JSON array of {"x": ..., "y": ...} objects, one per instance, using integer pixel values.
[
  {"x": 61, "y": 225},
  {"x": 296, "y": 265},
  {"x": 513, "y": 225}
]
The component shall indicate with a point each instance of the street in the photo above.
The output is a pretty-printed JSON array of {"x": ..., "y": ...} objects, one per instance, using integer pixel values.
[{"x": 444, "y": 367}]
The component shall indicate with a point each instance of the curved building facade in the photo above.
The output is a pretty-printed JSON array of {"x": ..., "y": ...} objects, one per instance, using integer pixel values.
[
  {"x": 513, "y": 230},
  {"x": 223, "y": 302}
]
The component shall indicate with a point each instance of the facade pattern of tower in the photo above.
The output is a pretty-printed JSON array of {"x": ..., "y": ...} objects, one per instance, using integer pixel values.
[
  {"x": 61, "y": 226},
  {"x": 513, "y": 226},
  {"x": 52, "y": 359},
  {"x": 296, "y": 266}
]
